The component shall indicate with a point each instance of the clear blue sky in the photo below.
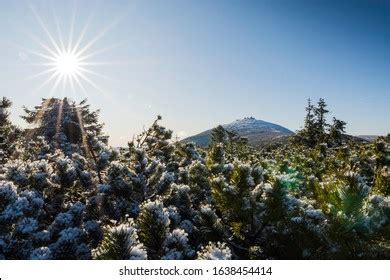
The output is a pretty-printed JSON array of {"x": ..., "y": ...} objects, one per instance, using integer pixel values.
[{"x": 199, "y": 63}]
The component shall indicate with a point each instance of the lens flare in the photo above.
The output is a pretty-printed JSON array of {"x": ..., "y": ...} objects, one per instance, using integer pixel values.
[{"x": 68, "y": 62}]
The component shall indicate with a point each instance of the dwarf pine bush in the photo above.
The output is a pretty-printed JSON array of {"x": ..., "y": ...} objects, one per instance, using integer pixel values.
[{"x": 66, "y": 194}]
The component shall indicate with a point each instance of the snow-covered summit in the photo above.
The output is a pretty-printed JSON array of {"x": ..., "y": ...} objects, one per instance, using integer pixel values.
[
  {"x": 258, "y": 132},
  {"x": 249, "y": 124}
]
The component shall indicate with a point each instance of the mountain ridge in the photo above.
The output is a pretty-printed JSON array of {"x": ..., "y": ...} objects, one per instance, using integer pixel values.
[{"x": 258, "y": 132}]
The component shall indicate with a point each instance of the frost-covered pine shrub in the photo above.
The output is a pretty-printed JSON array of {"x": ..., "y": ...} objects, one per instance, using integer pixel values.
[
  {"x": 153, "y": 222},
  {"x": 176, "y": 246},
  {"x": 66, "y": 194},
  {"x": 8, "y": 132},
  {"x": 121, "y": 243},
  {"x": 21, "y": 216}
]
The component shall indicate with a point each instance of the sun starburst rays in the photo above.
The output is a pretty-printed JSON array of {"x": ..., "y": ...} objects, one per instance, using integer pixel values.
[{"x": 68, "y": 59}]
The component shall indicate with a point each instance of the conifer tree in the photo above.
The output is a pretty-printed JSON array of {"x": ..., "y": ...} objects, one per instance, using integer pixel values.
[
  {"x": 66, "y": 125},
  {"x": 336, "y": 131},
  {"x": 121, "y": 243},
  {"x": 320, "y": 113},
  {"x": 316, "y": 130},
  {"x": 237, "y": 199},
  {"x": 6, "y": 129},
  {"x": 382, "y": 173},
  {"x": 219, "y": 135},
  {"x": 153, "y": 222},
  {"x": 310, "y": 129},
  {"x": 156, "y": 141}
]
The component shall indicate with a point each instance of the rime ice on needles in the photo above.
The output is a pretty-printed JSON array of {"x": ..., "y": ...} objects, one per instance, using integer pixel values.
[
  {"x": 176, "y": 246},
  {"x": 27, "y": 225},
  {"x": 42, "y": 253},
  {"x": 121, "y": 242},
  {"x": 7, "y": 193},
  {"x": 215, "y": 251}
]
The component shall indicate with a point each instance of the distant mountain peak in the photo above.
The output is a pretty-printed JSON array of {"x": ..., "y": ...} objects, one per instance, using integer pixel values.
[
  {"x": 250, "y": 123},
  {"x": 258, "y": 132}
]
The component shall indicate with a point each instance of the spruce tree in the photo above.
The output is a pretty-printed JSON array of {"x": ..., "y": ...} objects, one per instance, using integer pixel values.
[
  {"x": 316, "y": 130},
  {"x": 66, "y": 125},
  {"x": 320, "y": 113},
  {"x": 5, "y": 130},
  {"x": 309, "y": 129},
  {"x": 336, "y": 131}
]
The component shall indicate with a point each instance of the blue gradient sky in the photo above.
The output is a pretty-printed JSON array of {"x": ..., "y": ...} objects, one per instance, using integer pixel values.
[{"x": 201, "y": 63}]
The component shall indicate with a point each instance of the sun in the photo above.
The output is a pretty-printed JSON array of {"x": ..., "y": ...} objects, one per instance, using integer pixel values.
[
  {"x": 68, "y": 60},
  {"x": 67, "y": 64}
]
